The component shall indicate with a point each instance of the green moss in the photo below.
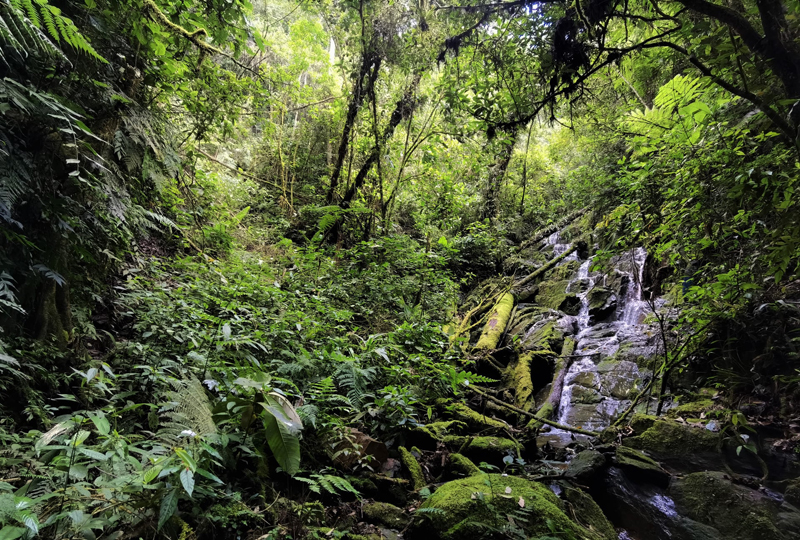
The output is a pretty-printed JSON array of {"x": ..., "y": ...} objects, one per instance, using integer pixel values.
[
  {"x": 414, "y": 469},
  {"x": 462, "y": 465},
  {"x": 461, "y": 508},
  {"x": 475, "y": 419},
  {"x": 642, "y": 422},
  {"x": 588, "y": 514},
  {"x": 518, "y": 378},
  {"x": 490, "y": 449},
  {"x": 436, "y": 431},
  {"x": 736, "y": 512},
  {"x": 693, "y": 408},
  {"x": 549, "y": 337},
  {"x": 546, "y": 411},
  {"x": 496, "y": 325},
  {"x": 385, "y": 514},
  {"x": 674, "y": 440}
]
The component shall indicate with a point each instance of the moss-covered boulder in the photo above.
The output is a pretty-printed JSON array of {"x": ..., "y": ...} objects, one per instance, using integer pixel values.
[
  {"x": 489, "y": 449},
  {"x": 692, "y": 409},
  {"x": 461, "y": 508},
  {"x": 678, "y": 445},
  {"x": 737, "y": 512},
  {"x": 459, "y": 465},
  {"x": 414, "y": 469},
  {"x": 602, "y": 303},
  {"x": 587, "y": 513},
  {"x": 553, "y": 294},
  {"x": 385, "y": 514},
  {"x": 639, "y": 466},
  {"x": 586, "y": 465},
  {"x": 547, "y": 336}
]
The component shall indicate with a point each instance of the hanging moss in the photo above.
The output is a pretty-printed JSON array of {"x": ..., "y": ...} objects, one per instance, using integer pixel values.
[
  {"x": 414, "y": 469},
  {"x": 496, "y": 325}
]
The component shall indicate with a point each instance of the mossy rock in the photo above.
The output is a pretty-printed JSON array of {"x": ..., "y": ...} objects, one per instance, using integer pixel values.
[
  {"x": 553, "y": 293},
  {"x": 428, "y": 435},
  {"x": 588, "y": 513},
  {"x": 388, "y": 515},
  {"x": 640, "y": 423},
  {"x": 681, "y": 446},
  {"x": 475, "y": 419},
  {"x": 460, "y": 510},
  {"x": 586, "y": 465},
  {"x": 792, "y": 494},
  {"x": 391, "y": 490},
  {"x": 692, "y": 409},
  {"x": 458, "y": 464},
  {"x": 737, "y": 512},
  {"x": 639, "y": 466},
  {"x": 414, "y": 470},
  {"x": 549, "y": 337},
  {"x": 489, "y": 449}
]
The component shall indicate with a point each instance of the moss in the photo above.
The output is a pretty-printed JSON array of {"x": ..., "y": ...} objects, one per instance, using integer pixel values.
[
  {"x": 693, "y": 408},
  {"x": 365, "y": 486},
  {"x": 496, "y": 325},
  {"x": 475, "y": 419},
  {"x": 490, "y": 449},
  {"x": 430, "y": 434},
  {"x": 554, "y": 295},
  {"x": 461, "y": 508},
  {"x": 462, "y": 465},
  {"x": 518, "y": 378},
  {"x": 546, "y": 411},
  {"x": 792, "y": 494},
  {"x": 414, "y": 469},
  {"x": 549, "y": 337},
  {"x": 588, "y": 514},
  {"x": 385, "y": 514},
  {"x": 674, "y": 440},
  {"x": 642, "y": 422},
  {"x": 736, "y": 512}
]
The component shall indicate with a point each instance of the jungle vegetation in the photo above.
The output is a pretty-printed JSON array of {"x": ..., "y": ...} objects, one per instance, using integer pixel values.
[{"x": 231, "y": 232}]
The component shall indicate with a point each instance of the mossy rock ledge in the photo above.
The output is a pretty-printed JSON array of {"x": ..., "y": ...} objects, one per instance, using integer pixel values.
[{"x": 460, "y": 510}]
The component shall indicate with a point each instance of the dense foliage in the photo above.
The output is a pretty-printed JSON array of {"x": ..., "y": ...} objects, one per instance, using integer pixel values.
[{"x": 235, "y": 236}]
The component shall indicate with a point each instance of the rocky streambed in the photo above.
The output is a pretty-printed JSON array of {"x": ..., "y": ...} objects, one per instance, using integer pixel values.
[{"x": 575, "y": 351}]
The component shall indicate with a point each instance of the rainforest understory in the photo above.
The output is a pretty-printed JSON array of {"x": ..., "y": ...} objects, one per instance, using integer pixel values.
[{"x": 369, "y": 269}]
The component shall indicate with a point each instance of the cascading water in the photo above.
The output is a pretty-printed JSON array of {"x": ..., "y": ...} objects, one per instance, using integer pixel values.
[{"x": 611, "y": 341}]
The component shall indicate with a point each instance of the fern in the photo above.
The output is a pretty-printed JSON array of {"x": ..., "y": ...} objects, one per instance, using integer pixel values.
[
  {"x": 334, "y": 485},
  {"x": 188, "y": 412},
  {"x": 27, "y": 18},
  {"x": 356, "y": 380}
]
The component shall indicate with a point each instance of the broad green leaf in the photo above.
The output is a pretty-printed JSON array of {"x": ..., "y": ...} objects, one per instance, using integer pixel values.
[
  {"x": 168, "y": 506},
  {"x": 11, "y": 533},
  {"x": 187, "y": 459},
  {"x": 285, "y": 446},
  {"x": 187, "y": 480},
  {"x": 101, "y": 423}
]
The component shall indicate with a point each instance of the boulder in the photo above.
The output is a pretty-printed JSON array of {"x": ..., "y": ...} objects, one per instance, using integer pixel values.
[
  {"x": 388, "y": 515},
  {"x": 488, "y": 449},
  {"x": 602, "y": 304},
  {"x": 586, "y": 465},
  {"x": 464, "y": 507},
  {"x": 680, "y": 446},
  {"x": 358, "y": 447}
]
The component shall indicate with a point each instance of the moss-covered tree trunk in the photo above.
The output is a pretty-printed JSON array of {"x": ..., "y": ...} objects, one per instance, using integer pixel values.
[{"x": 496, "y": 325}]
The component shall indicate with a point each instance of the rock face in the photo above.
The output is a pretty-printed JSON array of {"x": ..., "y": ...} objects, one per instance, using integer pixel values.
[{"x": 463, "y": 505}]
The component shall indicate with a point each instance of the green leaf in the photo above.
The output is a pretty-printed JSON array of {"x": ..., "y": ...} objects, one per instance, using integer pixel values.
[
  {"x": 187, "y": 480},
  {"x": 151, "y": 473},
  {"x": 285, "y": 446},
  {"x": 210, "y": 476},
  {"x": 11, "y": 533},
  {"x": 102, "y": 425},
  {"x": 168, "y": 506},
  {"x": 187, "y": 459}
]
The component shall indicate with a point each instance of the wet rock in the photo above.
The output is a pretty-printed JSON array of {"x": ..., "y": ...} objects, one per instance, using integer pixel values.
[
  {"x": 640, "y": 467},
  {"x": 588, "y": 513},
  {"x": 586, "y": 465},
  {"x": 602, "y": 304},
  {"x": 736, "y": 511},
  {"x": 581, "y": 394},
  {"x": 544, "y": 336},
  {"x": 647, "y": 511},
  {"x": 388, "y": 515},
  {"x": 462, "y": 512}
]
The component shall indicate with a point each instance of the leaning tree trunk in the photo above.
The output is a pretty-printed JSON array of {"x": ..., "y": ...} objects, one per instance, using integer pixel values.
[
  {"x": 370, "y": 65},
  {"x": 495, "y": 180}
]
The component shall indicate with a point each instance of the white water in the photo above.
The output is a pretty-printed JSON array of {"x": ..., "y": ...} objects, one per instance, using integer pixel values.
[{"x": 596, "y": 341}]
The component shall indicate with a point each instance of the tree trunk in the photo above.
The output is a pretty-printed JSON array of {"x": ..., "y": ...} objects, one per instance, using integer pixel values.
[{"x": 496, "y": 174}]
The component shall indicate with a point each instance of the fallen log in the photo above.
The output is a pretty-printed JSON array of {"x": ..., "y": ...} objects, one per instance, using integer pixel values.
[
  {"x": 544, "y": 268},
  {"x": 496, "y": 325},
  {"x": 528, "y": 413}
]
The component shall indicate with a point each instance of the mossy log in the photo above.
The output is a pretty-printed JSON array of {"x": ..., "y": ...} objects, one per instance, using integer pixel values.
[
  {"x": 557, "y": 226},
  {"x": 414, "y": 468},
  {"x": 496, "y": 325}
]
